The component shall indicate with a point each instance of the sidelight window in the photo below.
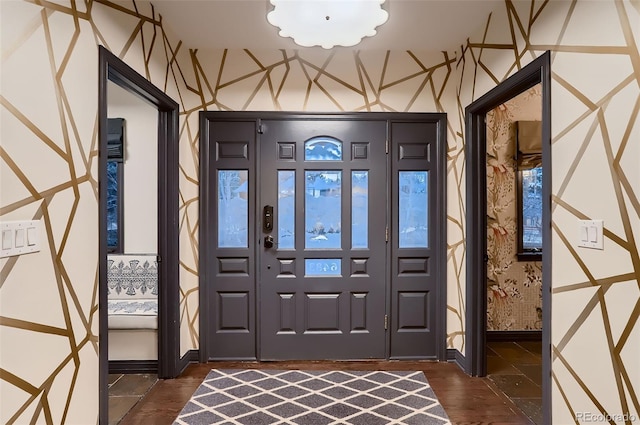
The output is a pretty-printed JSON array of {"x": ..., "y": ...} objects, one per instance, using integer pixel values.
[
  {"x": 413, "y": 209},
  {"x": 233, "y": 208}
]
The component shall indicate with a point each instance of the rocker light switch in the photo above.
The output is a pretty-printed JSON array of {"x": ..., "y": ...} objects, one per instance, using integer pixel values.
[
  {"x": 19, "y": 238},
  {"x": 7, "y": 239},
  {"x": 593, "y": 234},
  {"x": 32, "y": 236},
  {"x": 584, "y": 234}
]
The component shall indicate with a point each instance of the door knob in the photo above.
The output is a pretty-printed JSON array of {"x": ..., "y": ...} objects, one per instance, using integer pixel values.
[{"x": 268, "y": 241}]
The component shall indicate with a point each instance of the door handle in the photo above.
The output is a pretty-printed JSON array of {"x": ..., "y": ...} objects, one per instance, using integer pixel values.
[
  {"x": 267, "y": 219},
  {"x": 268, "y": 241}
]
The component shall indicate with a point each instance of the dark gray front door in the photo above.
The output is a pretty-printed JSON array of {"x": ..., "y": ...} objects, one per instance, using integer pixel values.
[
  {"x": 322, "y": 236},
  {"x": 322, "y": 281}
]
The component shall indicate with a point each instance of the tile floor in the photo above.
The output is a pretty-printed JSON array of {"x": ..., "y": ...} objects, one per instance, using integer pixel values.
[
  {"x": 125, "y": 391},
  {"x": 516, "y": 369}
]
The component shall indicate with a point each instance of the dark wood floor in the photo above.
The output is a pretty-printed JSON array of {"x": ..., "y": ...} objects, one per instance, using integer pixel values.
[{"x": 466, "y": 400}]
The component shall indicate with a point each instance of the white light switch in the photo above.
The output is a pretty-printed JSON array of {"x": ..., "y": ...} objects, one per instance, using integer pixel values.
[
  {"x": 19, "y": 238},
  {"x": 584, "y": 234},
  {"x": 32, "y": 236},
  {"x": 591, "y": 234},
  {"x": 7, "y": 239}
]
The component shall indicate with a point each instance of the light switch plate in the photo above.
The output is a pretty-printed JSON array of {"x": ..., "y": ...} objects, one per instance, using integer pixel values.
[
  {"x": 591, "y": 234},
  {"x": 20, "y": 237}
]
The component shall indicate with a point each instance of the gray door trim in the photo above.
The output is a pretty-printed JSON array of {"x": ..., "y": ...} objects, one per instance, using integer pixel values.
[
  {"x": 115, "y": 70},
  {"x": 538, "y": 71},
  {"x": 206, "y": 246}
]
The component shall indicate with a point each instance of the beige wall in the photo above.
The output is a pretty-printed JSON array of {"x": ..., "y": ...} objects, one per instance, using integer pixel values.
[
  {"x": 48, "y": 169},
  {"x": 140, "y": 169},
  {"x": 595, "y": 150},
  {"x": 48, "y": 301}
]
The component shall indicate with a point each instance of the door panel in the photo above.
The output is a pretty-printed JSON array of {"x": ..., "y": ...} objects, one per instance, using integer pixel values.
[
  {"x": 231, "y": 288},
  {"x": 414, "y": 223},
  {"x": 323, "y": 283}
]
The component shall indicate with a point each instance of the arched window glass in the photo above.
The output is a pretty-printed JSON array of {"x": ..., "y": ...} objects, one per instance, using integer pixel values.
[{"x": 323, "y": 148}]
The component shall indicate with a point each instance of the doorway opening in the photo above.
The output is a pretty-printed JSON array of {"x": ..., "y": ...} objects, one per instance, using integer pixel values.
[
  {"x": 322, "y": 236},
  {"x": 114, "y": 71},
  {"x": 537, "y": 72},
  {"x": 514, "y": 247}
]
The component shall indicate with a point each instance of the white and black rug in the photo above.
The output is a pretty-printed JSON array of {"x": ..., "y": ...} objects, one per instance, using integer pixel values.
[{"x": 297, "y": 397}]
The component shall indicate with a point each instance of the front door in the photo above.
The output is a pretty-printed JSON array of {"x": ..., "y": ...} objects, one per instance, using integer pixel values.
[
  {"x": 322, "y": 278},
  {"x": 322, "y": 236}
]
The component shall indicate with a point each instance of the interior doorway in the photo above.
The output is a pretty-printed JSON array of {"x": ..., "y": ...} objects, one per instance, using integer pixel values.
[
  {"x": 514, "y": 246},
  {"x": 537, "y": 72},
  {"x": 112, "y": 70},
  {"x": 327, "y": 232}
]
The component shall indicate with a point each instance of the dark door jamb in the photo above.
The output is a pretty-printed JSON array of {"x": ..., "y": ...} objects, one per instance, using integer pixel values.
[
  {"x": 538, "y": 71},
  {"x": 115, "y": 70}
]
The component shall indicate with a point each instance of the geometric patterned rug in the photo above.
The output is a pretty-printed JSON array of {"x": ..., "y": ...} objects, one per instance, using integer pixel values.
[{"x": 297, "y": 397}]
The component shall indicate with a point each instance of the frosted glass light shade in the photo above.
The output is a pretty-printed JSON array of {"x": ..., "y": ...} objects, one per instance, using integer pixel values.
[{"x": 327, "y": 23}]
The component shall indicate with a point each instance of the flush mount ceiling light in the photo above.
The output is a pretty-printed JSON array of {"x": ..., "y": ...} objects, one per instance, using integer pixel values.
[{"x": 327, "y": 23}]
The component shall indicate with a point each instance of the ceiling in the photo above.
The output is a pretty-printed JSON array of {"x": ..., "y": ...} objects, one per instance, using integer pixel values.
[{"x": 422, "y": 25}]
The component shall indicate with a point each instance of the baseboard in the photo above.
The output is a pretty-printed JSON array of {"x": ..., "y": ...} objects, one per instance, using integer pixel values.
[
  {"x": 191, "y": 356},
  {"x": 133, "y": 366},
  {"x": 455, "y": 356},
  {"x": 514, "y": 336}
]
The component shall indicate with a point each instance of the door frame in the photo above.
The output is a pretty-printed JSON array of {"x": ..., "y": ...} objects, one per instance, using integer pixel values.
[
  {"x": 206, "y": 248},
  {"x": 112, "y": 69},
  {"x": 538, "y": 71}
]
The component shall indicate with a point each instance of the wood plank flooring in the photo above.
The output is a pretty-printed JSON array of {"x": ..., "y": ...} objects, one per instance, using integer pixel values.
[{"x": 466, "y": 400}]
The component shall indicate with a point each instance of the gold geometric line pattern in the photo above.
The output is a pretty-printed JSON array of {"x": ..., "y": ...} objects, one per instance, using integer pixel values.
[
  {"x": 601, "y": 123},
  {"x": 612, "y": 280},
  {"x": 391, "y": 81},
  {"x": 31, "y": 126},
  {"x": 588, "y": 392},
  {"x": 34, "y": 327},
  {"x": 617, "y": 186},
  {"x": 618, "y": 240},
  {"x": 19, "y": 174}
]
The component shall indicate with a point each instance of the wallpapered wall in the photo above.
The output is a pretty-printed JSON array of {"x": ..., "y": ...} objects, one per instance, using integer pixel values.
[
  {"x": 45, "y": 52},
  {"x": 595, "y": 129},
  {"x": 48, "y": 170},
  {"x": 514, "y": 289},
  {"x": 333, "y": 81}
]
